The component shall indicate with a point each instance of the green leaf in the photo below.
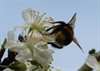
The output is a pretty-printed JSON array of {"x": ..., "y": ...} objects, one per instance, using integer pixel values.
[
  {"x": 30, "y": 29},
  {"x": 36, "y": 63},
  {"x": 17, "y": 66},
  {"x": 2, "y": 67},
  {"x": 5, "y": 41}
]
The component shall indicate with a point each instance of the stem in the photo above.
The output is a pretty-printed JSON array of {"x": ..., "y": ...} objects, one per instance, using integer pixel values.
[{"x": 3, "y": 66}]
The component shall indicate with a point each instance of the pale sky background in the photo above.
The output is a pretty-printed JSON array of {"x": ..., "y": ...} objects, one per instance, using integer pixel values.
[{"x": 87, "y": 27}]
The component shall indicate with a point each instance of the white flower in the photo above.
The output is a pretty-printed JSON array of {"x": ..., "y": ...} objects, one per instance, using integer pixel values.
[
  {"x": 23, "y": 53},
  {"x": 33, "y": 46},
  {"x": 27, "y": 50},
  {"x": 36, "y": 24},
  {"x": 34, "y": 20},
  {"x": 92, "y": 62}
]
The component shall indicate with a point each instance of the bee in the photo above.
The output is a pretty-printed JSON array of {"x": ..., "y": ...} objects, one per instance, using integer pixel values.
[{"x": 64, "y": 33}]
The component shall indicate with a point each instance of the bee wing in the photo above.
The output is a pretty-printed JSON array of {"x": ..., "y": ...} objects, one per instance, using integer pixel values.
[
  {"x": 75, "y": 41},
  {"x": 72, "y": 21}
]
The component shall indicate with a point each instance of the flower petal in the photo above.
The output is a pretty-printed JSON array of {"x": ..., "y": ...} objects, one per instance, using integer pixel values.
[
  {"x": 92, "y": 62},
  {"x": 28, "y": 15},
  {"x": 14, "y": 44},
  {"x": 10, "y": 36},
  {"x": 24, "y": 54},
  {"x": 23, "y": 26},
  {"x": 43, "y": 56}
]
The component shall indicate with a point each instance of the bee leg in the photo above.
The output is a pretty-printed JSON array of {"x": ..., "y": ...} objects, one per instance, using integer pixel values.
[
  {"x": 60, "y": 22},
  {"x": 54, "y": 31},
  {"x": 54, "y": 45},
  {"x": 49, "y": 28},
  {"x": 47, "y": 31}
]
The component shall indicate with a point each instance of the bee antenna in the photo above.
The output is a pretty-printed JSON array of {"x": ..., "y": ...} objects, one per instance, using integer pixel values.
[{"x": 76, "y": 42}]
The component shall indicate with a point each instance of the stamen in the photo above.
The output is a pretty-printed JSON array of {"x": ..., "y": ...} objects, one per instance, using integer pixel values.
[
  {"x": 51, "y": 19},
  {"x": 31, "y": 15},
  {"x": 31, "y": 34},
  {"x": 43, "y": 15},
  {"x": 42, "y": 22},
  {"x": 37, "y": 15},
  {"x": 34, "y": 16},
  {"x": 39, "y": 19},
  {"x": 34, "y": 11}
]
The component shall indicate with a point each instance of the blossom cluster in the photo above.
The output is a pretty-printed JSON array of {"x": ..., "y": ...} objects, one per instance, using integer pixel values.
[{"x": 32, "y": 52}]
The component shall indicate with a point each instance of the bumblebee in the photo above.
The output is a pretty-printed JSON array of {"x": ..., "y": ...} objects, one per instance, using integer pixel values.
[{"x": 64, "y": 33}]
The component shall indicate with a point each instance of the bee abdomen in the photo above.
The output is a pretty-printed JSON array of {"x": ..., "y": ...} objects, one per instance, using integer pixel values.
[{"x": 65, "y": 35}]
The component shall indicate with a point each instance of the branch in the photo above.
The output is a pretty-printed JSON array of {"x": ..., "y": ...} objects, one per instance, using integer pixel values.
[{"x": 7, "y": 61}]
